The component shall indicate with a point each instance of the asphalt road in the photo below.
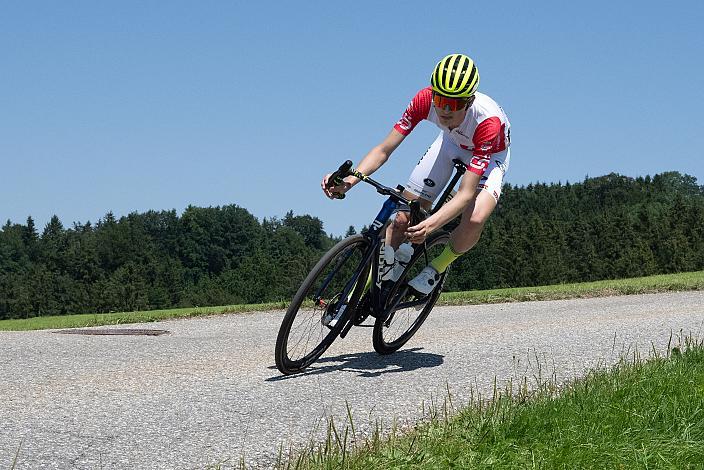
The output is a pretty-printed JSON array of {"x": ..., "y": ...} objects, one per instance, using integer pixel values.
[{"x": 208, "y": 392}]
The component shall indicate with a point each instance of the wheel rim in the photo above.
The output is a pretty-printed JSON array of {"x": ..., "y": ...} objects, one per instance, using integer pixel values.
[
  {"x": 411, "y": 308},
  {"x": 308, "y": 334}
]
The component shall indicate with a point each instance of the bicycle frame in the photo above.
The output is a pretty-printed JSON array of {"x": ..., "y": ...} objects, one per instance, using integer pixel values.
[{"x": 373, "y": 234}]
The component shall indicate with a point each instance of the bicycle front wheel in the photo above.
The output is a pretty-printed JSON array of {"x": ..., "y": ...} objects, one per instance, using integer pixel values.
[
  {"x": 406, "y": 310},
  {"x": 320, "y": 308}
]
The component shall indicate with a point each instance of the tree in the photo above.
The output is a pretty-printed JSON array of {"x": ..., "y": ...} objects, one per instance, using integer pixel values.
[
  {"x": 310, "y": 228},
  {"x": 605, "y": 227}
]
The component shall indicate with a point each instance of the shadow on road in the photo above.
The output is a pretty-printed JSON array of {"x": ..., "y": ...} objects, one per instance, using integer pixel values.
[{"x": 369, "y": 364}]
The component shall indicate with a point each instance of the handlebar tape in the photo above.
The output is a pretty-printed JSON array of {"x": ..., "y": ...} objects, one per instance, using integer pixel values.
[{"x": 336, "y": 177}]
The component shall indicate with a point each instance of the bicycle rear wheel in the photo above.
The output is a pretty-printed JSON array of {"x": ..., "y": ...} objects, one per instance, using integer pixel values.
[
  {"x": 407, "y": 310},
  {"x": 318, "y": 312}
]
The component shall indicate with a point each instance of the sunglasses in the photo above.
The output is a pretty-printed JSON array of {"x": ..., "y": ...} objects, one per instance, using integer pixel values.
[{"x": 449, "y": 104}]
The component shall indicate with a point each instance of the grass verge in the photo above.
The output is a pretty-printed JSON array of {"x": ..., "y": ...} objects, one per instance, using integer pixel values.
[
  {"x": 637, "y": 414},
  {"x": 639, "y": 285},
  {"x": 98, "y": 319},
  {"x": 650, "y": 284}
]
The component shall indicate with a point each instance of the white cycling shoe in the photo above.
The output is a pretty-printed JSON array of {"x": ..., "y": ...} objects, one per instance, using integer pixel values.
[{"x": 426, "y": 281}]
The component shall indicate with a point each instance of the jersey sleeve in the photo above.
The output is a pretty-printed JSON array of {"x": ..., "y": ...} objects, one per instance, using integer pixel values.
[
  {"x": 487, "y": 139},
  {"x": 417, "y": 110}
]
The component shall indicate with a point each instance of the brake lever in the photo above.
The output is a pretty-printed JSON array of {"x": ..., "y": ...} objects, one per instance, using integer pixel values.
[{"x": 337, "y": 176}]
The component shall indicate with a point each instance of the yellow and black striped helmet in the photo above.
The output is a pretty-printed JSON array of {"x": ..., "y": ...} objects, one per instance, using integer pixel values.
[{"x": 455, "y": 76}]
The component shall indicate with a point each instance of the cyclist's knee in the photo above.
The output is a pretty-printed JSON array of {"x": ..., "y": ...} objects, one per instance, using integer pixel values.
[
  {"x": 401, "y": 220},
  {"x": 472, "y": 222}
]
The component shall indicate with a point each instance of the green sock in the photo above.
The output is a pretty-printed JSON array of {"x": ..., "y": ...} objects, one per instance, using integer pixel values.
[{"x": 447, "y": 256}]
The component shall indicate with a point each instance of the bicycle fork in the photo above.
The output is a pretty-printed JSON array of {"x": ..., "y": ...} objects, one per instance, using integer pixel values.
[{"x": 330, "y": 319}]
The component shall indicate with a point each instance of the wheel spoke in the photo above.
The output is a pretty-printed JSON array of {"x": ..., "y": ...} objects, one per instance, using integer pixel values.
[
  {"x": 303, "y": 336},
  {"x": 406, "y": 312}
]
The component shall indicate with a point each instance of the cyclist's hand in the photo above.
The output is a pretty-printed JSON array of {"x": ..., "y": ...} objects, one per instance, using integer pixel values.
[
  {"x": 334, "y": 192},
  {"x": 418, "y": 233}
]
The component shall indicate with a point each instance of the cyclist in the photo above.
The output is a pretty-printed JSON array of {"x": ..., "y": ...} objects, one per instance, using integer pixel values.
[{"x": 475, "y": 129}]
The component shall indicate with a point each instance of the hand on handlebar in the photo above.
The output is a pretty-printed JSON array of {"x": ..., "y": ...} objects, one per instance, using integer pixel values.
[
  {"x": 334, "y": 191},
  {"x": 419, "y": 232},
  {"x": 334, "y": 186}
]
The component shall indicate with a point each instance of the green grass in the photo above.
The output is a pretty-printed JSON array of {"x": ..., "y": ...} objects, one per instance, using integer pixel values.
[
  {"x": 98, "y": 319},
  {"x": 637, "y": 414},
  {"x": 640, "y": 285},
  {"x": 650, "y": 284}
]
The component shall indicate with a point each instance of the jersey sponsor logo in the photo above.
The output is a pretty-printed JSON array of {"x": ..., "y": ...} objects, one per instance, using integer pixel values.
[
  {"x": 479, "y": 163},
  {"x": 405, "y": 122},
  {"x": 462, "y": 140},
  {"x": 426, "y": 195},
  {"x": 501, "y": 165},
  {"x": 428, "y": 182}
]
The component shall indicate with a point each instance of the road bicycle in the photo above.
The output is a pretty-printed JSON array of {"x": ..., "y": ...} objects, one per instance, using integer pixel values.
[{"x": 346, "y": 286}]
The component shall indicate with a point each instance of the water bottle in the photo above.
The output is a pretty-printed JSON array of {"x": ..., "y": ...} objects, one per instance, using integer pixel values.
[
  {"x": 402, "y": 256},
  {"x": 387, "y": 267}
]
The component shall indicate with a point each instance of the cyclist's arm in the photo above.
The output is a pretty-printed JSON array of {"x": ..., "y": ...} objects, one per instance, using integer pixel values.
[
  {"x": 466, "y": 193},
  {"x": 378, "y": 155},
  {"x": 369, "y": 164},
  {"x": 486, "y": 139}
]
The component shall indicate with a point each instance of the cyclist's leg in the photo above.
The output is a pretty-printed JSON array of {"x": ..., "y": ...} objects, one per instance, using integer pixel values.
[
  {"x": 468, "y": 232},
  {"x": 426, "y": 182}
]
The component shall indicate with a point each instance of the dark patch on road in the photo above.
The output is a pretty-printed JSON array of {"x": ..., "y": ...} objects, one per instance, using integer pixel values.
[{"x": 113, "y": 331}]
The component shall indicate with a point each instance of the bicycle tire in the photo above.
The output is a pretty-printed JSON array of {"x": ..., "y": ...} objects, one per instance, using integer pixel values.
[
  {"x": 385, "y": 343},
  {"x": 348, "y": 253}
]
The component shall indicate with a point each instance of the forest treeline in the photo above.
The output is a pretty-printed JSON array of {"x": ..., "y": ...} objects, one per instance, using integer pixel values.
[{"x": 602, "y": 228}]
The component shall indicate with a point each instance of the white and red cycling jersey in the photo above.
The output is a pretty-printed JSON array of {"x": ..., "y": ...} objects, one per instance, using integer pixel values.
[{"x": 484, "y": 131}]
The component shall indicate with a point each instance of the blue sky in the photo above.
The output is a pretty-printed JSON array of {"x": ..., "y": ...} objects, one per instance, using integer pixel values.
[{"x": 130, "y": 106}]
